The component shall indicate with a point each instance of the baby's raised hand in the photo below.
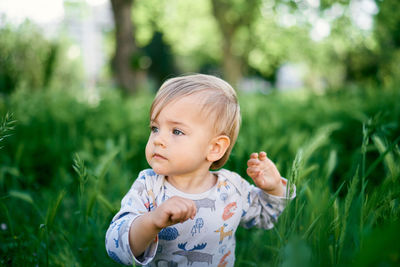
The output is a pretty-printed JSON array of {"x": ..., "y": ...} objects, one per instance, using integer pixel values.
[
  {"x": 265, "y": 174},
  {"x": 174, "y": 210}
]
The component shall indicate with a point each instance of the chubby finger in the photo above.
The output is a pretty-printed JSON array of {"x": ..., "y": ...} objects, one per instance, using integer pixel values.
[
  {"x": 254, "y": 155},
  {"x": 176, "y": 212},
  {"x": 182, "y": 210},
  {"x": 180, "y": 214},
  {"x": 253, "y": 162},
  {"x": 193, "y": 209},
  {"x": 262, "y": 155},
  {"x": 190, "y": 209}
]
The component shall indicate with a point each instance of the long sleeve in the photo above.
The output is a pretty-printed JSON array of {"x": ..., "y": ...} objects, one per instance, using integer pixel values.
[
  {"x": 261, "y": 209},
  {"x": 137, "y": 201}
]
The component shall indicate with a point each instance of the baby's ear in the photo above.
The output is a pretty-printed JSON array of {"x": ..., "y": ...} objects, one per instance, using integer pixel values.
[{"x": 218, "y": 147}]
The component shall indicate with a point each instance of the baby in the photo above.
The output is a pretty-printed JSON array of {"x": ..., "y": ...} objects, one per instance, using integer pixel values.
[{"x": 185, "y": 210}]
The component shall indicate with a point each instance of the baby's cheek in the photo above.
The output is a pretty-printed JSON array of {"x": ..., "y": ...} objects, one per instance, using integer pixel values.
[{"x": 148, "y": 152}]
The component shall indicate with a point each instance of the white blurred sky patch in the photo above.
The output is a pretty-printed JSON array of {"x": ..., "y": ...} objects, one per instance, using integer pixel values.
[
  {"x": 86, "y": 33},
  {"x": 320, "y": 30},
  {"x": 362, "y": 12},
  {"x": 39, "y": 11},
  {"x": 313, "y": 3},
  {"x": 96, "y": 2}
]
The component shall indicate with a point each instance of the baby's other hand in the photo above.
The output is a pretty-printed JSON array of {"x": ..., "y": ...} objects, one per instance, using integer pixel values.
[
  {"x": 265, "y": 174},
  {"x": 174, "y": 210}
]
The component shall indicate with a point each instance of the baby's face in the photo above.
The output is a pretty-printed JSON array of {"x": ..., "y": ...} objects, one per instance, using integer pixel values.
[{"x": 180, "y": 139}]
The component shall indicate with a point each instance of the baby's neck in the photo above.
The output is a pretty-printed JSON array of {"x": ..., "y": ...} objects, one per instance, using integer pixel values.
[{"x": 193, "y": 184}]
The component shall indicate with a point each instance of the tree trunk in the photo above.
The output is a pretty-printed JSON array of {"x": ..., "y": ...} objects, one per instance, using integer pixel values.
[
  {"x": 125, "y": 47},
  {"x": 231, "y": 64}
]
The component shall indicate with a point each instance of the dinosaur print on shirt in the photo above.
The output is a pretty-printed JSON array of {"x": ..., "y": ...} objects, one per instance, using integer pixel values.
[{"x": 206, "y": 240}]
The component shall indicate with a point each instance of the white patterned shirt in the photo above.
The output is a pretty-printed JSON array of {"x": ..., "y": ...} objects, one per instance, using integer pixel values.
[{"x": 208, "y": 239}]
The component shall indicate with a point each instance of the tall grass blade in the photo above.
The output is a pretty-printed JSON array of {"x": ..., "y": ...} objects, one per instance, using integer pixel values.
[
  {"x": 307, "y": 171},
  {"x": 347, "y": 204},
  {"x": 106, "y": 203},
  {"x": 52, "y": 211},
  {"x": 364, "y": 145},
  {"x": 381, "y": 157},
  {"x": 294, "y": 173},
  {"x": 326, "y": 208},
  {"x": 80, "y": 169},
  {"x": 91, "y": 202},
  {"x": 6, "y": 126},
  {"x": 319, "y": 139},
  {"x": 22, "y": 196},
  {"x": 331, "y": 164},
  {"x": 295, "y": 221},
  {"x": 389, "y": 160},
  {"x": 105, "y": 165}
]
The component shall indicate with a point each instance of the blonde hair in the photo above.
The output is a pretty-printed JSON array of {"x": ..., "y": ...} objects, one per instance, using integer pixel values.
[{"x": 218, "y": 100}]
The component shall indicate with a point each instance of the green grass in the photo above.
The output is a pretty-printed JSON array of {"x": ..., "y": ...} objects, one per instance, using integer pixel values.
[{"x": 65, "y": 165}]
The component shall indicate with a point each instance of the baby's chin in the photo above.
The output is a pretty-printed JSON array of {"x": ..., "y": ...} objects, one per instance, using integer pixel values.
[{"x": 158, "y": 170}]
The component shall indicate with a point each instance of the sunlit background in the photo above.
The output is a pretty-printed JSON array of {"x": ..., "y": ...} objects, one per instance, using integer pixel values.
[
  {"x": 318, "y": 84},
  {"x": 272, "y": 48}
]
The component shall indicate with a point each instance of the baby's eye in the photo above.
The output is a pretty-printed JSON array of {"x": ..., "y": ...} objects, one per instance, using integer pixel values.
[
  {"x": 154, "y": 129},
  {"x": 177, "y": 132}
]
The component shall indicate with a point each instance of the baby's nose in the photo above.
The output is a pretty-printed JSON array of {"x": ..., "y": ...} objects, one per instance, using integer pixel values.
[{"x": 159, "y": 140}]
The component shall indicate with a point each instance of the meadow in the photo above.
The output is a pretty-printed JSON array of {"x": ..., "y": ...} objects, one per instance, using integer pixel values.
[{"x": 65, "y": 164}]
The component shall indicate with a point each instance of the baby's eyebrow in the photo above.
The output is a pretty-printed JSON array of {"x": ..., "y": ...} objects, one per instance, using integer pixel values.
[
  {"x": 171, "y": 122},
  {"x": 179, "y": 124},
  {"x": 175, "y": 122}
]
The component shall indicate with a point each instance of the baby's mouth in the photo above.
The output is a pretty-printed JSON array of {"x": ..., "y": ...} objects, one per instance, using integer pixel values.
[{"x": 158, "y": 156}]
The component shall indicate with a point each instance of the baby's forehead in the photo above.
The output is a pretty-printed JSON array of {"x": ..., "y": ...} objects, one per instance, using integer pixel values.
[{"x": 200, "y": 101}]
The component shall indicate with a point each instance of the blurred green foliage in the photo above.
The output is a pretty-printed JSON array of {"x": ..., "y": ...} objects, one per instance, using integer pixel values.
[
  {"x": 387, "y": 32},
  {"x": 67, "y": 164},
  {"x": 29, "y": 60},
  {"x": 192, "y": 31},
  {"x": 184, "y": 26},
  {"x": 178, "y": 37},
  {"x": 274, "y": 32}
]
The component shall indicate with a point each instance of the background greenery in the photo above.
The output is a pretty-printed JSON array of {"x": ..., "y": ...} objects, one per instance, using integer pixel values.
[
  {"x": 67, "y": 164},
  {"x": 66, "y": 160}
]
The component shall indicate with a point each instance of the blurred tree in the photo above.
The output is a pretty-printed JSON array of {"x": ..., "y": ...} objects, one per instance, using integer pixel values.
[
  {"x": 256, "y": 37},
  {"x": 372, "y": 58},
  {"x": 125, "y": 47},
  {"x": 25, "y": 58},
  {"x": 232, "y": 38},
  {"x": 362, "y": 65},
  {"x": 188, "y": 31},
  {"x": 29, "y": 60},
  {"x": 230, "y": 16},
  {"x": 387, "y": 33},
  {"x": 161, "y": 63}
]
